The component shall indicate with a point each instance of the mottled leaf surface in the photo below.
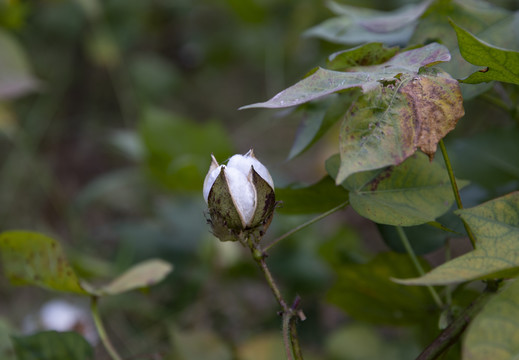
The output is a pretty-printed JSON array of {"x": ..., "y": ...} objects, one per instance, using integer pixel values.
[
  {"x": 501, "y": 64},
  {"x": 363, "y": 55},
  {"x": 387, "y": 126},
  {"x": 325, "y": 82},
  {"x": 31, "y": 258},
  {"x": 52, "y": 345},
  {"x": 494, "y": 333},
  {"x": 495, "y": 225},
  {"x": 412, "y": 193}
]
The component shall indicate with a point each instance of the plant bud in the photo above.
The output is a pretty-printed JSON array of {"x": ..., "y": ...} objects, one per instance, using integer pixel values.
[{"x": 240, "y": 196}]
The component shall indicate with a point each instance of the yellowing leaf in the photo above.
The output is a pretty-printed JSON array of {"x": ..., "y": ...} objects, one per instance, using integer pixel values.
[
  {"x": 386, "y": 126},
  {"x": 35, "y": 259},
  {"x": 144, "y": 274},
  {"x": 495, "y": 225}
]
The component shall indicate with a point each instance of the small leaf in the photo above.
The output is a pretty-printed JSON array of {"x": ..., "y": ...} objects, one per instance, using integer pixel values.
[
  {"x": 494, "y": 332},
  {"x": 319, "y": 197},
  {"x": 495, "y": 225},
  {"x": 366, "y": 292},
  {"x": 501, "y": 64},
  {"x": 144, "y": 274},
  {"x": 386, "y": 126},
  {"x": 412, "y": 193},
  {"x": 35, "y": 259},
  {"x": 325, "y": 82},
  {"x": 52, "y": 345}
]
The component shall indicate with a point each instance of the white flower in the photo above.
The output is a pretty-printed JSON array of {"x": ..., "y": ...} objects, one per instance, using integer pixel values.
[{"x": 246, "y": 184}]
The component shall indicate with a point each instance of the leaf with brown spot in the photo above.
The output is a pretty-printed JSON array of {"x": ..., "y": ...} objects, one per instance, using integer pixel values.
[
  {"x": 387, "y": 125},
  {"x": 30, "y": 258},
  {"x": 437, "y": 106}
]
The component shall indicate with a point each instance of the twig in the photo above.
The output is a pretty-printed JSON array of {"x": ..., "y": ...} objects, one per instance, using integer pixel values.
[
  {"x": 308, "y": 223},
  {"x": 414, "y": 259},
  {"x": 101, "y": 330},
  {"x": 290, "y": 314},
  {"x": 449, "y": 336}
]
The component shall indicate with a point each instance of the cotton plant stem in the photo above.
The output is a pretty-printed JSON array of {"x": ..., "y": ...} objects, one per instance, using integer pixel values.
[
  {"x": 305, "y": 224},
  {"x": 294, "y": 338},
  {"x": 456, "y": 191},
  {"x": 289, "y": 313},
  {"x": 451, "y": 334},
  {"x": 414, "y": 259},
  {"x": 287, "y": 338},
  {"x": 101, "y": 330}
]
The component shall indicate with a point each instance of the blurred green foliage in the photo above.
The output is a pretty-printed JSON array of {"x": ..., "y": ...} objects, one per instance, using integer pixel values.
[{"x": 109, "y": 111}]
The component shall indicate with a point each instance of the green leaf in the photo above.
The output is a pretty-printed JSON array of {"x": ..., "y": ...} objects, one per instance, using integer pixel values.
[
  {"x": 501, "y": 64},
  {"x": 16, "y": 78},
  {"x": 366, "y": 293},
  {"x": 488, "y": 159},
  {"x": 366, "y": 342},
  {"x": 35, "y": 259},
  {"x": 144, "y": 274},
  {"x": 386, "y": 126},
  {"x": 319, "y": 197},
  {"x": 363, "y": 55},
  {"x": 423, "y": 238},
  {"x": 31, "y": 258},
  {"x": 176, "y": 150},
  {"x": 495, "y": 225},
  {"x": 52, "y": 345},
  {"x": 412, "y": 193},
  {"x": 318, "y": 119},
  {"x": 489, "y": 22},
  {"x": 494, "y": 332},
  {"x": 359, "y": 25},
  {"x": 325, "y": 82}
]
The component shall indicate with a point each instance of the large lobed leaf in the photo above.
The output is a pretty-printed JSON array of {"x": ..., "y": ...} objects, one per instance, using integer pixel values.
[
  {"x": 355, "y": 25},
  {"x": 387, "y": 126},
  {"x": 31, "y": 258},
  {"x": 325, "y": 82},
  {"x": 494, "y": 333},
  {"x": 412, "y": 193},
  {"x": 495, "y": 225},
  {"x": 501, "y": 64}
]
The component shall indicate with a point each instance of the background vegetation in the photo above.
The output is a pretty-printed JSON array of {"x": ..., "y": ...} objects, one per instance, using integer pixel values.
[{"x": 109, "y": 111}]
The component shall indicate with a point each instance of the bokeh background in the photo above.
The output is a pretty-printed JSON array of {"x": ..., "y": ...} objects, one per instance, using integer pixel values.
[{"x": 109, "y": 111}]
